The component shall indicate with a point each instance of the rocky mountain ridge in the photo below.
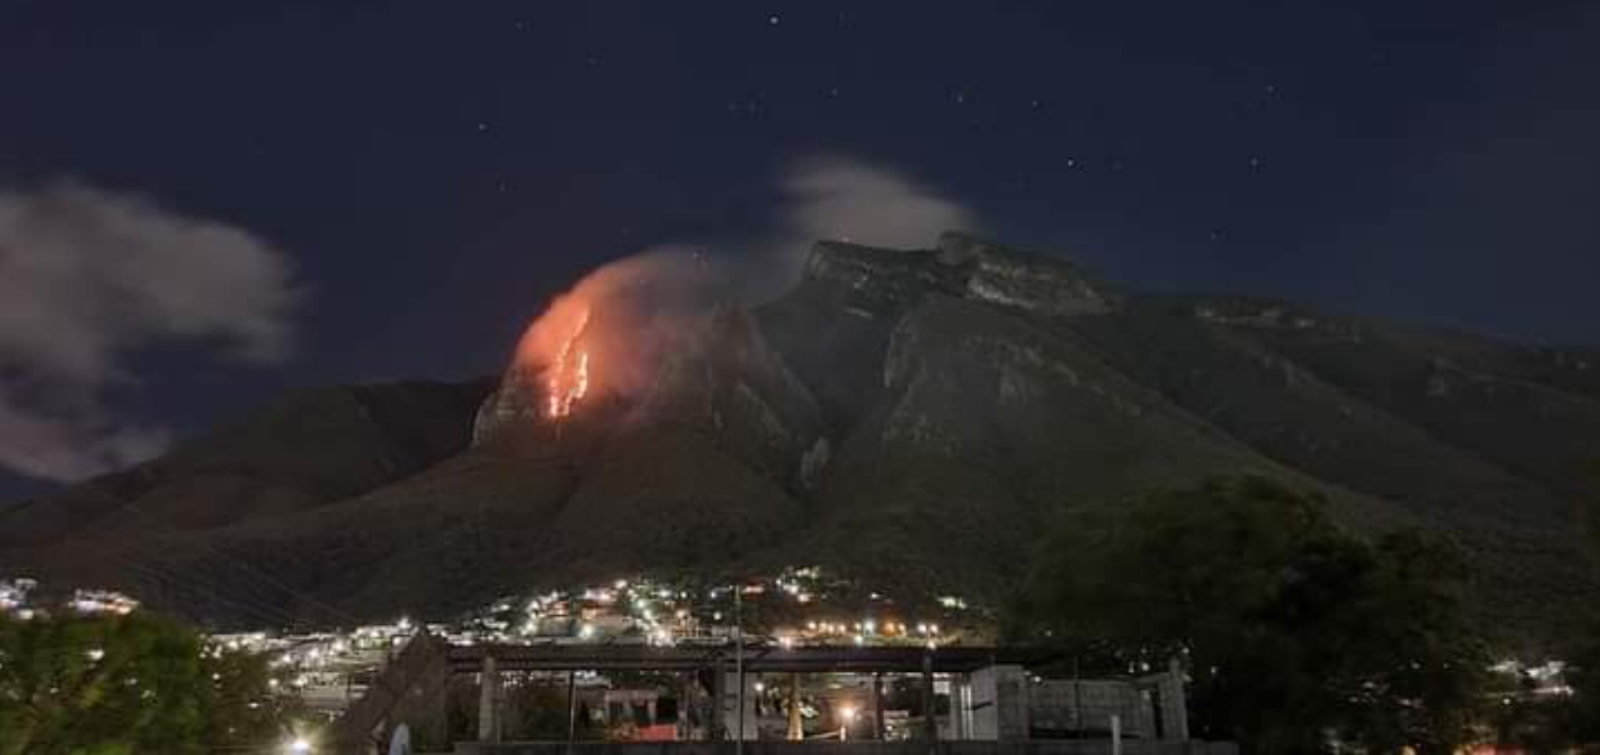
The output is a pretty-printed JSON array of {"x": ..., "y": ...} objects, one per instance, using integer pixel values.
[{"x": 914, "y": 416}]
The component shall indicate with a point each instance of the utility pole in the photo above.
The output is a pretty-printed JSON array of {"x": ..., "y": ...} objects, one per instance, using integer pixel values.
[
  {"x": 572, "y": 707},
  {"x": 738, "y": 662}
]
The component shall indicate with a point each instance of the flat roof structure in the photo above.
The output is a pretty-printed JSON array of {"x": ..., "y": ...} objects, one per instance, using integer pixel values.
[{"x": 758, "y": 659}]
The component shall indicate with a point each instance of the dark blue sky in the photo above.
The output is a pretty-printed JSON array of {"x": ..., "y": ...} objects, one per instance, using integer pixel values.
[{"x": 437, "y": 170}]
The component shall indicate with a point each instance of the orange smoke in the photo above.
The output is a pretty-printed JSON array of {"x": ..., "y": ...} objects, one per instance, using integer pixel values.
[
  {"x": 567, "y": 380},
  {"x": 606, "y": 336},
  {"x": 557, "y": 347}
]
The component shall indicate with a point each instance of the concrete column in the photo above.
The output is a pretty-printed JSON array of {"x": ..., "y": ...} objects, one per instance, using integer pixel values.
[
  {"x": 961, "y": 707},
  {"x": 489, "y": 701},
  {"x": 719, "y": 692},
  {"x": 685, "y": 699},
  {"x": 797, "y": 730},
  {"x": 877, "y": 707},
  {"x": 738, "y": 705},
  {"x": 572, "y": 705},
  {"x": 1174, "y": 704}
]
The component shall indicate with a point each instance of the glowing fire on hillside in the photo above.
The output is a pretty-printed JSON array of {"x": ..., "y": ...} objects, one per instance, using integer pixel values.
[
  {"x": 559, "y": 349},
  {"x": 602, "y": 341},
  {"x": 567, "y": 379}
]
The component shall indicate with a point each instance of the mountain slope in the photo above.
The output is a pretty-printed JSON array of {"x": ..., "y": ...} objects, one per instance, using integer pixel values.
[{"x": 914, "y": 418}]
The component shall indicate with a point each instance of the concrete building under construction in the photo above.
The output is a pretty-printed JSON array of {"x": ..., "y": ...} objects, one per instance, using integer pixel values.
[{"x": 704, "y": 700}]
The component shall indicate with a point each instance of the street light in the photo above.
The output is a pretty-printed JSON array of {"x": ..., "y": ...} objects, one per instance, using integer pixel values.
[{"x": 847, "y": 714}]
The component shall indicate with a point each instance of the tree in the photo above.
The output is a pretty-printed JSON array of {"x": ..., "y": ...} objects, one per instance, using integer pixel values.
[
  {"x": 108, "y": 685},
  {"x": 243, "y": 710},
  {"x": 1294, "y": 631}
]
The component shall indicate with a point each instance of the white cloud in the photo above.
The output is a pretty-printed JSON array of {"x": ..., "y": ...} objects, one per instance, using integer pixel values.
[
  {"x": 846, "y": 199},
  {"x": 837, "y": 198},
  {"x": 87, "y": 279}
]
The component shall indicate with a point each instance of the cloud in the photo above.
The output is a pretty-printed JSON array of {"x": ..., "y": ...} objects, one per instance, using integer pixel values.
[
  {"x": 844, "y": 199},
  {"x": 90, "y": 277},
  {"x": 849, "y": 200}
]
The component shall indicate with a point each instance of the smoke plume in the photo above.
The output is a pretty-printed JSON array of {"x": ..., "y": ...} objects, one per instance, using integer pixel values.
[
  {"x": 606, "y": 334},
  {"x": 841, "y": 199},
  {"x": 88, "y": 278}
]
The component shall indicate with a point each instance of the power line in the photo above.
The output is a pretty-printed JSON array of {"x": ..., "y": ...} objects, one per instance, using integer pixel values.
[
  {"x": 150, "y": 569},
  {"x": 248, "y": 569},
  {"x": 243, "y": 566}
]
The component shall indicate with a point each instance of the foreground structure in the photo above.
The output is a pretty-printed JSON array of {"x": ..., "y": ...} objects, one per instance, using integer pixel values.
[{"x": 770, "y": 698}]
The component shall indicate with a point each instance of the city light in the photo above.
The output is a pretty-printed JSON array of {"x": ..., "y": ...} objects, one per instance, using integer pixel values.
[
  {"x": 847, "y": 716},
  {"x": 299, "y": 747}
]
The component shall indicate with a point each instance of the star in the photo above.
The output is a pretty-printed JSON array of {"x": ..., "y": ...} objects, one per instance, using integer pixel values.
[
  {"x": 483, "y": 127},
  {"x": 1255, "y": 163},
  {"x": 773, "y": 20}
]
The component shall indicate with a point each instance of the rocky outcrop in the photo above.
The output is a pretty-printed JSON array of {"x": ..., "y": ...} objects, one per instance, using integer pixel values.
[
  {"x": 515, "y": 401},
  {"x": 730, "y": 386},
  {"x": 880, "y": 281},
  {"x": 1012, "y": 278},
  {"x": 964, "y": 266}
]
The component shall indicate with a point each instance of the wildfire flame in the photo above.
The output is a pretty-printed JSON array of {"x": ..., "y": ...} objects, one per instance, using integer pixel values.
[
  {"x": 567, "y": 379},
  {"x": 604, "y": 337}
]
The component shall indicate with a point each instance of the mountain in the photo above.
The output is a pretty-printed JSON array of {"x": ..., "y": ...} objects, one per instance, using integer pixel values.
[{"x": 913, "y": 418}]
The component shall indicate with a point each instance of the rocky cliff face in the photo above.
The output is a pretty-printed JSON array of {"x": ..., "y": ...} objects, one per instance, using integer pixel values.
[
  {"x": 1017, "y": 279},
  {"x": 884, "y": 282},
  {"x": 729, "y": 385},
  {"x": 915, "y": 417}
]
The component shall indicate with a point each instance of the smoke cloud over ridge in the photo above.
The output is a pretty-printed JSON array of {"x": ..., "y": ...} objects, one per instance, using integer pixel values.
[
  {"x": 844, "y": 199},
  {"x": 617, "y": 321},
  {"x": 90, "y": 277},
  {"x": 838, "y": 198}
]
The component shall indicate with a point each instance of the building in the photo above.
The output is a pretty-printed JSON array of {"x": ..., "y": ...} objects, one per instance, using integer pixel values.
[{"x": 773, "y": 696}]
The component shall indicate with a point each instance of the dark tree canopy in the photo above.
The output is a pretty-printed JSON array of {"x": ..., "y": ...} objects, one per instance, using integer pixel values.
[
  {"x": 1294, "y": 631},
  {"x": 116, "y": 685}
]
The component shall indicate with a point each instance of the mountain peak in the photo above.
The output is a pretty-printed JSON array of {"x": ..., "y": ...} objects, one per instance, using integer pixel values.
[{"x": 962, "y": 265}]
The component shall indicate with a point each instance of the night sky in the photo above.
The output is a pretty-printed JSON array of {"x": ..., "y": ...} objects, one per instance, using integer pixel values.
[{"x": 428, "y": 174}]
